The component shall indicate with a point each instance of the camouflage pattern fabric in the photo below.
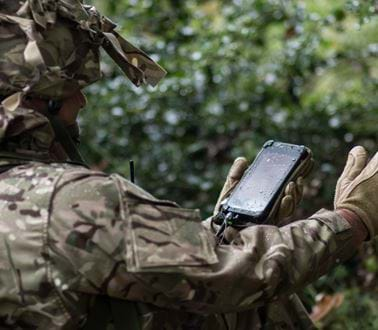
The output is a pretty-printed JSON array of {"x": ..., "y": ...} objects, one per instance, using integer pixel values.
[
  {"x": 68, "y": 234},
  {"x": 50, "y": 48},
  {"x": 25, "y": 134}
]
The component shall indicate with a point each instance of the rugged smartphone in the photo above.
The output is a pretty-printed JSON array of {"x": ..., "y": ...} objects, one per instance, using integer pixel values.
[{"x": 256, "y": 197}]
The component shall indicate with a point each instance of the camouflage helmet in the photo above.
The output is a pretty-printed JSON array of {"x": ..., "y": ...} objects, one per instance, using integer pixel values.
[{"x": 51, "y": 48}]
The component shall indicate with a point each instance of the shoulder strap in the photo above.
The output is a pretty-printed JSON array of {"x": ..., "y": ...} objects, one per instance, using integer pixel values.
[
  {"x": 122, "y": 313},
  {"x": 65, "y": 139}
]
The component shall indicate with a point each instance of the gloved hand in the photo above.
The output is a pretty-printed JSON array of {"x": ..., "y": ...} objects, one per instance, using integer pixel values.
[
  {"x": 292, "y": 196},
  {"x": 357, "y": 188},
  {"x": 234, "y": 175}
]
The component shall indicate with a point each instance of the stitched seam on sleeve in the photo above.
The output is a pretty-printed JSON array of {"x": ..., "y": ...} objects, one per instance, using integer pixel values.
[{"x": 46, "y": 250}]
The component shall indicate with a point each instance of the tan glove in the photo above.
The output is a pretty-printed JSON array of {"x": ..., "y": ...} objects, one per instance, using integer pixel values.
[
  {"x": 234, "y": 175},
  {"x": 357, "y": 188}
]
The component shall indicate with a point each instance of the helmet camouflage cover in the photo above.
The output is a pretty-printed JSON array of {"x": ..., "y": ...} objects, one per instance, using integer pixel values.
[{"x": 51, "y": 48}]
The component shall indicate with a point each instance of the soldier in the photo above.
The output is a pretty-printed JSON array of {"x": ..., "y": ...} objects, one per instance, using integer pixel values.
[{"x": 69, "y": 234}]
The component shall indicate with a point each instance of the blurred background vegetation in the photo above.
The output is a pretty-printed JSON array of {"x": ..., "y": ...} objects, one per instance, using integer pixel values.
[{"x": 239, "y": 73}]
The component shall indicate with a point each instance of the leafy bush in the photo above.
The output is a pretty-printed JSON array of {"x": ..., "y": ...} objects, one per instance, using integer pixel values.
[{"x": 239, "y": 73}]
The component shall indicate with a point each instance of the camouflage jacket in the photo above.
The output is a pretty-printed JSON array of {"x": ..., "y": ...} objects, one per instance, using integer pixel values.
[{"x": 68, "y": 234}]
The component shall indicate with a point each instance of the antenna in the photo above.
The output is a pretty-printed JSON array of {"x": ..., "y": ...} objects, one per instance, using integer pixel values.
[{"x": 132, "y": 171}]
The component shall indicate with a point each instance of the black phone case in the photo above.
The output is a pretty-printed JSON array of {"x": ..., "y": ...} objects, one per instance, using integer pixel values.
[{"x": 241, "y": 216}]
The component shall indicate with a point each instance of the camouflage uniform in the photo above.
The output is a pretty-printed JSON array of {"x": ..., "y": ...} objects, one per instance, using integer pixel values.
[
  {"x": 50, "y": 49},
  {"x": 68, "y": 234}
]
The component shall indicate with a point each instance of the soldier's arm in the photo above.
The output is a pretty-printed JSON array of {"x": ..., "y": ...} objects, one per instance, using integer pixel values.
[{"x": 120, "y": 241}]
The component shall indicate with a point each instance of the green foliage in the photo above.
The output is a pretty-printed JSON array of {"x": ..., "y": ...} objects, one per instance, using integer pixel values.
[
  {"x": 239, "y": 73},
  {"x": 358, "y": 312}
]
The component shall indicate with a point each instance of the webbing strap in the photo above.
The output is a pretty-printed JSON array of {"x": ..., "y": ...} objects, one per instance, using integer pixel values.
[{"x": 65, "y": 139}]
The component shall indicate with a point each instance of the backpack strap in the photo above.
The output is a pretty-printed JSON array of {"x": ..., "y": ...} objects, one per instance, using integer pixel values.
[{"x": 62, "y": 134}]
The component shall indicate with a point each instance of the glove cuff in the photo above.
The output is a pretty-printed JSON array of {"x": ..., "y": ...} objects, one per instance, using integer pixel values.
[
  {"x": 360, "y": 231},
  {"x": 362, "y": 217}
]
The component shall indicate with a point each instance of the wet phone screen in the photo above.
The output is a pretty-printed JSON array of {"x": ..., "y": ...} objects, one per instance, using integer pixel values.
[{"x": 264, "y": 180}]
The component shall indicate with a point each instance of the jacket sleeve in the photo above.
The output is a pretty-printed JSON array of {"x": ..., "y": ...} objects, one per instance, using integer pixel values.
[{"x": 118, "y": 240}]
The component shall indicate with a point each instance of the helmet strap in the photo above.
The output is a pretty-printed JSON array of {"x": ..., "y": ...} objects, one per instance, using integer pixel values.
[{"x": 61, "y": 133}]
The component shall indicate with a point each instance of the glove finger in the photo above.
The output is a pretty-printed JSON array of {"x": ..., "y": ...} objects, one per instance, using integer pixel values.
[
  {"x": 371, "y": 167},
  {"x": 286, "y": 207},
  {"x": 290, "y": 188},
  {"x": 237, "y": 169},
  {"x": 299, "y": 190},
  {"x": 233, "y": 177},
  {"x": 307, "y": 168},
  {"x": 356, "y": 162},
  {"x": 292, "y": 191}
]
